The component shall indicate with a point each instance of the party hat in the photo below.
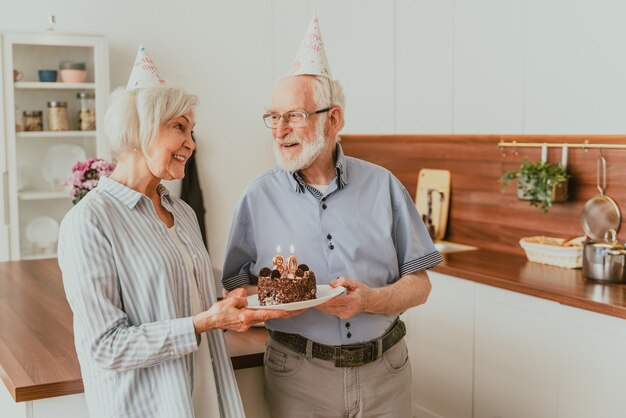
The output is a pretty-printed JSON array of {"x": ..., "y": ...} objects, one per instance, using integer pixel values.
[
  {"x": 145, "y": 72},
  {"x": 311, "y": 58}
]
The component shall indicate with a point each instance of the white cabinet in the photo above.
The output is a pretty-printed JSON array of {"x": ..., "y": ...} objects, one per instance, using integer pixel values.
[
  {"x": 484, "y": 352},
  {"x": 515, "y": 355},
  {"x": 593, "y": 366},
  {"x": 440, "y": 335},
  {"x": 26, "y": 158}
]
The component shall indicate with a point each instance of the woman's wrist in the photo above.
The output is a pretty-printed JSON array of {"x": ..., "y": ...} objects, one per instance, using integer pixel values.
[{"x": 202, "y": 322}]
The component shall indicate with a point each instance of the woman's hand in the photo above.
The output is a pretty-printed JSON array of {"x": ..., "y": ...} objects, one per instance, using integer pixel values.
[{"x": 231, "y": 314}]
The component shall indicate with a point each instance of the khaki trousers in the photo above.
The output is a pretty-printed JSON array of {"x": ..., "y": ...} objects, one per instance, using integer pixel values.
[{"x": 298, "y": 386}]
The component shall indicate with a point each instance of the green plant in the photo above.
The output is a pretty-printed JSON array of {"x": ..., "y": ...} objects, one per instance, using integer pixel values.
[{"x": 538, "y": 182}]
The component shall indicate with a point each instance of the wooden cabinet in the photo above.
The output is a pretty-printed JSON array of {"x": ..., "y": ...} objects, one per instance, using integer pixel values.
[
  {"x": 484, "y": 352},
  {"x": 32, "y": 162}
]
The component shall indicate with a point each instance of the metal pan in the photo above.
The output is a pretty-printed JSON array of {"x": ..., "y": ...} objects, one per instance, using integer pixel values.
[{"x": 600, "y": 213}]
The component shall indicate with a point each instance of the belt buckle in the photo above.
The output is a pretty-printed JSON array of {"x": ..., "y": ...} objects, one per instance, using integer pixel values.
[{"x": 354, "y": 356}]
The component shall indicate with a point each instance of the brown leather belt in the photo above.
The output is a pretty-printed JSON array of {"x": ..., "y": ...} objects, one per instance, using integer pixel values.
[{"x": 352, "y": 355}]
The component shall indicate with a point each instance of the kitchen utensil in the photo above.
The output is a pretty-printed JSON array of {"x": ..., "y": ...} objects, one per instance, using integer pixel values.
[
  {"x": 600, "y": 213},
  {"x": 434, "y": 185},
  {"x": 72, "y": 72},
  {"x": 605, "y": 260},
  {"x": 17, "y": 75},
  {"x": 58, "y": 162},
  {"x": 47, "y": 76}
]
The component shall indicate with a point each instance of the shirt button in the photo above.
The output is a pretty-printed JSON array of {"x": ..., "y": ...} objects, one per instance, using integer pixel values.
[
  {"x": 331, "y": 246},
  {"x": 349, "y": 335},
  {"x": 329, "y": 236},
  {"x": 347, "y": 325},
  {"x": 324, "y": 206}
]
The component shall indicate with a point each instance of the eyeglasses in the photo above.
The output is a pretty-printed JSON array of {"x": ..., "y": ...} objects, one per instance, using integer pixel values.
[{"x": 293, "y": 119}]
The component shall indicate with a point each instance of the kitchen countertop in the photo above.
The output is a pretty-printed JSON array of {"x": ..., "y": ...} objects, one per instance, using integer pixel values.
[
  {"x": 516, "y": 273},
  {"x": 38, "y": 360}
]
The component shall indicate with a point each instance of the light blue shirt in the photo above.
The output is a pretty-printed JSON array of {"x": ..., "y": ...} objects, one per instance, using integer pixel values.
[
  {"x": 365, "y": 227},
  {"x": 128, "y": 287}
]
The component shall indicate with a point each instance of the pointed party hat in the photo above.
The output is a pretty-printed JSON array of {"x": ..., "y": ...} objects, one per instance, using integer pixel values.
[
  {"x": 311, "y": 58},
  {"x": 145, "y": 72}
]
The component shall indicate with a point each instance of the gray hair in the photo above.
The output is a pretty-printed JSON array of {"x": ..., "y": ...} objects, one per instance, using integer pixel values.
[
  {"x": 327, "y": 92},
  {"x": 134, "y": 117}
]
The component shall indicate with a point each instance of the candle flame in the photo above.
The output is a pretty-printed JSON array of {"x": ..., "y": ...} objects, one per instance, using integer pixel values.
[
  {"x": 278, "y": 249},
  {"x": 291, "y": 249}
]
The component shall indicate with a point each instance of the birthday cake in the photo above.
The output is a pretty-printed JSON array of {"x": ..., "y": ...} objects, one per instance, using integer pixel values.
[{"x": 285, "y": 285}]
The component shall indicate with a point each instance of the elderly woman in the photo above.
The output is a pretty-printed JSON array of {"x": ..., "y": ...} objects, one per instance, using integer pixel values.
[{"x": 148, "y": 328}]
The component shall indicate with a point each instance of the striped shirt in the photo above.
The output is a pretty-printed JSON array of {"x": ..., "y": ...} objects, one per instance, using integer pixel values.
[
  {"x": 364, "y": 226},
  {"x": 127, "y": 285}
]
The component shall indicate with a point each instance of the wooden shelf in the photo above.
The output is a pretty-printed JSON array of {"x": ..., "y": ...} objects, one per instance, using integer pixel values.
[
  {"x": 42, "y": 195},
  {"x": 55, "y": 134},
  {"x": 36, "y": 85}
]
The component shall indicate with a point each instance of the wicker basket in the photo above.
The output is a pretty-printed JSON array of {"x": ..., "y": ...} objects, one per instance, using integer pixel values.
[{"x": 547, "y": 250}]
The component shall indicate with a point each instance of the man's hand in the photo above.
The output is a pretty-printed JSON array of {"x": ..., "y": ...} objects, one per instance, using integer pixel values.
[
  {"x": 408, "y": 291},
  {"x": 350, "y": 304}
]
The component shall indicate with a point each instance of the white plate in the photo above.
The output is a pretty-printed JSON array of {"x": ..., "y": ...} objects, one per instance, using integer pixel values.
[
  {"x": 42, "y": 231},
  {"x": 324, "y": 293},
  {"x": 59, "y": 160}
]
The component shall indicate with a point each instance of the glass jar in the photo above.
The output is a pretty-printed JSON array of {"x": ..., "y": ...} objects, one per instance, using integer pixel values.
[
  {"x": 57, "y": 116},
  {"x": 87, "y": 111},
  {"x": 33, "y": 120}
]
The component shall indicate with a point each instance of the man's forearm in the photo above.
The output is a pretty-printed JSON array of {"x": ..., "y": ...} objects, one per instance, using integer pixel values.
[{"x": 410, "y": 290}]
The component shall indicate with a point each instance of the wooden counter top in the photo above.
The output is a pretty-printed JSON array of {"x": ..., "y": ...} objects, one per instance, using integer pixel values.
[
  {"x": 37, "y": 356},
  {"x": 515, "y": 272}
]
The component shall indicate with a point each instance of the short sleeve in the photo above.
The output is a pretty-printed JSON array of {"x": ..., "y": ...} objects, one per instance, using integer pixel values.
[{"x": 414, "y": 247}]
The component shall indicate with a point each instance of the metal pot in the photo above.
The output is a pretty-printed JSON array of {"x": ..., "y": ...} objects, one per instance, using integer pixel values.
[{"x": 605, "y": 260}]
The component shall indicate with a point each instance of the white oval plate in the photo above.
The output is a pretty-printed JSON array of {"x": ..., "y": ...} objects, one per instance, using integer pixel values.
[
  {"x": 59, "y": 160},
  {"x": 324, "y": 293},
  {"x": 42, "y": 231}
]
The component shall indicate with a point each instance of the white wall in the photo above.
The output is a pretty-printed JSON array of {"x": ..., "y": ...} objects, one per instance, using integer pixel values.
[{"x": 408, "y": 66}]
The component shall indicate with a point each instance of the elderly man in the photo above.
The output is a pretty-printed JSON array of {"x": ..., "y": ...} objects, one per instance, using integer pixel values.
[{"x": 356, "y": 226}]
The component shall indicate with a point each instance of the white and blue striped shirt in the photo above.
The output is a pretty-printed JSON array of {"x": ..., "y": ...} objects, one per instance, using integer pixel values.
[{"x": 127, "y": 285}]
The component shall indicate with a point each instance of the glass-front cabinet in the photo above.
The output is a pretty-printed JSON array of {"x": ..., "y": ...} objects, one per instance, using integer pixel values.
[{"x": 54, "y": 93}]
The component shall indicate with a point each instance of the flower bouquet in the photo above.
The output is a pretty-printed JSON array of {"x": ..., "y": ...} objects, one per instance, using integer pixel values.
[{"x": 85, "y": 176}]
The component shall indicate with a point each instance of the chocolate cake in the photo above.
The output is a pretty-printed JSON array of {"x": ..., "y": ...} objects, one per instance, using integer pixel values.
[{"x": 276, "y": 287}]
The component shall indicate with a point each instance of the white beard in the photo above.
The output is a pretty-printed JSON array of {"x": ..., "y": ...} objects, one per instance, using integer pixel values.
[{"x": 310, "y": 151}]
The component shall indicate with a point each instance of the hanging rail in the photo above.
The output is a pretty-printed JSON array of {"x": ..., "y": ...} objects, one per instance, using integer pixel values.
[{"x": 585, "y": 145}]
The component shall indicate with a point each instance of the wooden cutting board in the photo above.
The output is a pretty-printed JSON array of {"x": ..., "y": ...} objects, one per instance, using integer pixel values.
[{"x": 437, "y": 184}]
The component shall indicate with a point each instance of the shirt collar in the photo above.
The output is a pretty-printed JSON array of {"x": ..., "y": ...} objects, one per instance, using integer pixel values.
[
  {"x": 298, "y": 183},
  {"x": 126, "y": 195}
]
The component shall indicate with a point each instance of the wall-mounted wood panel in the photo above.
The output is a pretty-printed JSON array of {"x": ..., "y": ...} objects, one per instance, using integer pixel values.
[{"x": 480, "y": 213}]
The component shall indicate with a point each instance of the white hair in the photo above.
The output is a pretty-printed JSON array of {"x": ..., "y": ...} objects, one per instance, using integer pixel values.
[
  {"x": 134, "y": 117},
  {"x": 327, "y": 92}
]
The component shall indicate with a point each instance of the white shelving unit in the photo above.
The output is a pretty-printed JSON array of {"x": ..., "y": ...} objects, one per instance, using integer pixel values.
[{"x": 26, "y": 193}]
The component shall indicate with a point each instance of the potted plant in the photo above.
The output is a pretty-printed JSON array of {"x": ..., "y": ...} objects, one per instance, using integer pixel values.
[{"x": 541, "y": 183}]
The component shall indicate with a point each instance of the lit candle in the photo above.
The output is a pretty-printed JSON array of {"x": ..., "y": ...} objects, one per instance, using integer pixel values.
[
  {"x": 278, "y": 260},
  {"x": 292, "y": 262}
]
